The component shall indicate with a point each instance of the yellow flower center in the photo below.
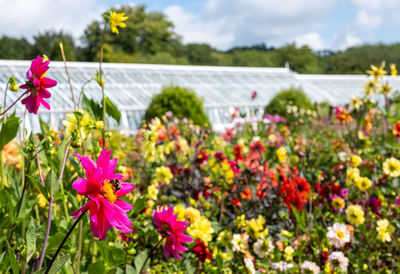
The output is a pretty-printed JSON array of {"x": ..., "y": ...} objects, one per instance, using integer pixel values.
[
  {"x": 340, "y": 234},
  {"x": 107, "y": 192}
]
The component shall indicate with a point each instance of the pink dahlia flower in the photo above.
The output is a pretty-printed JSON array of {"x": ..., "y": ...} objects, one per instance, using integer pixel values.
[
  {"x": 168, "y": 226},
  {"x": 37, "y": 85},
  {"x": 104, "y": 189}
]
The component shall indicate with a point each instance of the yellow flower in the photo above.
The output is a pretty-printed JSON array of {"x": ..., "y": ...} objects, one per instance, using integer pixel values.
[
  {"x": 72, "y": 124},
  {"x": 385, "y": 89},
  {"x": 282, "y": 154},
  {"x": 370, "y": 87},
  {"x": 355, "y": 160},
  {"x": 384, "y": 229},
  {"x": 377, "y": 71},
  {"x": 179, "y": 211},
  {"x": 355, "y": 215},
  {"x": 391, "y": 167},
  {"x": 393, "y": 69},
  {"x": 255, "y": 227},
  {"x": 192, "y": 214},
  {"x": 338, "y": 203},
  {"x": 42, "y": 201},
  {"x": 116, "y": 20},
  {"x": 289, "y": 253},
  {"x": 240, "y": 221},
  {"x": 356, "y": 102},
  {"x": 363, "y": 183},
  {"x": 152, "y": 192},
  {"x": 351, "y": 175},
  {"x": 164, "y": 175},
  {"x": 201, "y": 229}
]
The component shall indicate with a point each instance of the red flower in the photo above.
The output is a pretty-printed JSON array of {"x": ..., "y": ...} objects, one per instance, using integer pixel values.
[
  {"x": 257, "y": 148},
  {"x": 237, "y": 152},
  {"x": 172, "y": 229},
  {"x": 246, "y": 194},
  {"x": 201, "y": 251},
  {"x": 37, "y": 85},
  {"x": 294, "y": 190}
]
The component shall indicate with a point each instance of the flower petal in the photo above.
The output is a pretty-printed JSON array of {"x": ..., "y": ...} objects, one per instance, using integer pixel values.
[
  {"x": 85, "y": 187},
  {"x": 76, "y": 214},
  {"x": 123, "y": 205},
  {"x": 125, "y": 188}
]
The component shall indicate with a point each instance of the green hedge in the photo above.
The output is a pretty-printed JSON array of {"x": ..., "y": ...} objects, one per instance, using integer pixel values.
[
  {"x": 182, "y": 102},
  {"x": 290, "y": 97}
]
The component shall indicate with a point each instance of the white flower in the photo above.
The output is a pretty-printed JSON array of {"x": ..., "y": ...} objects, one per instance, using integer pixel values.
[
  {"x": 263, "y": 247},
  {"x": 249, "y": 265},
  {"x": 239, "y": 242},
  {"x": 338, "y": 234},
  {"x": 311, "y": 266},
  {"x": 281, "y": 266},
  {"x": 342, "y": 156},
  {"x": 340, "y": 258}
]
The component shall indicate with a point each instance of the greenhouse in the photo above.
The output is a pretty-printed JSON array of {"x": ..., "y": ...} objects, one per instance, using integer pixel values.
[{"x": 131, "y": 86}]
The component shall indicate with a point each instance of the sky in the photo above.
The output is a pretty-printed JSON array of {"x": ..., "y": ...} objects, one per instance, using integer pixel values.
[{"x": 320, "y": 24}]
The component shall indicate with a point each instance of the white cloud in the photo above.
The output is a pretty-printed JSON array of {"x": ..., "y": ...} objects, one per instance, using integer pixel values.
[
  {"x": 348, "y": 40},
  {"x": 26, "y": 18},
  {"x": 367, "y": 21},
  {"x": 194, "y": 30},
  {"x": 225, "y": 23},
  {"x": 311, "y": 39}
]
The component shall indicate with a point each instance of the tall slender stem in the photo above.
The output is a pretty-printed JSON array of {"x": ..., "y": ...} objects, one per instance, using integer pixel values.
[
  {"x": 40, "y": 169},
  {"x": 51, "y": 204},
  {"x": 60, "y": 178},
  {"x": 78, "y": 263},
  {"x": 102, "y": 83},
  {"x": 46, "y": 238},
  {"x": 66, "y": 72},
  {"x": 16, "y": 101},
  {"x": 150, "y": 253},
  {"x": 63, "y": 241},
  {"x": 5, "y": 95}
]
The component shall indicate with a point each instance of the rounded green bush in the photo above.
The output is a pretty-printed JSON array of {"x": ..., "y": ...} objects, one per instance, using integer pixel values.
[
  {"x": 183, "y": 103},
  {"x": 290, "y": 97}
]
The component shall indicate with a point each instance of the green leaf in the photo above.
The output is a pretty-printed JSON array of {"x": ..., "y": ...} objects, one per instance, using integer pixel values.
[
  {"x": 59, "y": 262},
  {"x": 44, "y": 127},
  {"x": 113, "y": 110},
  {"x": 90, "y": 106},
  {"x": 9, "y": 130},
  {"x": 139, "y": 205},
  {"x": 38, "y": 185},
  {"x": 32, "y": 234},
  {"x": 96, "y": 268},
  {"x": 139, "y": 261},
  {"x": 52, "y": 183},
  {"x": 13, "y": 260}
]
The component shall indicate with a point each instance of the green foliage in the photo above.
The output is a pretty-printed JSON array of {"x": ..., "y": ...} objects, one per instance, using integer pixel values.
[
  {"x": 13, "y": 48},
  {"x": 290, "y": 97},
  {"x": 9, "y": 130},
  {"x": 48, "y": 43},
  {"x": 181, "y": 101}
]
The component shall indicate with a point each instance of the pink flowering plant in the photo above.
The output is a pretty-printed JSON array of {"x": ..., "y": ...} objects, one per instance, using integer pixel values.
[{"x": 310, "y": 190}]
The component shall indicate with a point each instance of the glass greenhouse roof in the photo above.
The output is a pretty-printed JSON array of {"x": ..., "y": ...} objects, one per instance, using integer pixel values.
[{"x": 131, "y": 86}]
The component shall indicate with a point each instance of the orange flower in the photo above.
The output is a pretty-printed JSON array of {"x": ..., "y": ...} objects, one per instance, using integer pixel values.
[
  {"x": 246, "y": 194},
  {"x": 10, "y": 153},
  {"x": 396, "y": 129},
  {"x": 342, "y": 115}
]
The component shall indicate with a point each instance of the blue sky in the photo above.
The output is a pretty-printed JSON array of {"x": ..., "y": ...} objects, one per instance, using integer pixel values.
[{"x": 321, "y": 24}]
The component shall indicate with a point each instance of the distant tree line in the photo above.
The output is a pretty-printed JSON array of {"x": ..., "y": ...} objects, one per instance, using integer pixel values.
[{"x": 150, "y": 38}]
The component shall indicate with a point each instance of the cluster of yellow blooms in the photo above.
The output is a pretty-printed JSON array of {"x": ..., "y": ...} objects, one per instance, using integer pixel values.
[
  {"x": 384, "y": 229},
  {"x": 353, "y": 176},
  {"x": 83, "y": 125},
  {"x": 355, "y": 215},
  {"x": 223, "y": 169},
  {"x": 200, "y": 227}
]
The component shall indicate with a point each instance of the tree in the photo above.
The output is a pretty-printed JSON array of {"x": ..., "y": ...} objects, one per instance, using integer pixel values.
[
  {"x": 13, "y": 48},
  {"x": 48, "y": 43}
]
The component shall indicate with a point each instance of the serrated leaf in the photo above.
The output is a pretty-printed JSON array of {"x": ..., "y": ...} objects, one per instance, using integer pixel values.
[
  {"x": 59, "y": 262},
  {"x": 112, "y": 110},
  {"x": 52, "y": 183},
  {"x": 9, "y": 130},
  {"x": 32, "y": 234}
]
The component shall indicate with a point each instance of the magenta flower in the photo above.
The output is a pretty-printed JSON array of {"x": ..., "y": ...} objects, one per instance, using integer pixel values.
[
  {"x": 168, "y": 226},
  {"x": 104, "y": 189},
  {"x": 37, "y": 85}
]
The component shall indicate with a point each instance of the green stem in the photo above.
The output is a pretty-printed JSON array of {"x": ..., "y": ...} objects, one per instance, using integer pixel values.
[
  {"x": 5, "y": 95},
  {"x": 101, "y": 82},
  {"x": 150, "y": 253},
  {"x": 63, "y": 241}
]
